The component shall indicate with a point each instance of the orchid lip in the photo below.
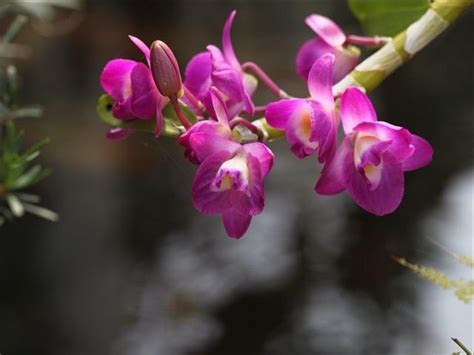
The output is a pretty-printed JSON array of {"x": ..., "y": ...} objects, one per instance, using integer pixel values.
[{"x": 233, "y": 174}]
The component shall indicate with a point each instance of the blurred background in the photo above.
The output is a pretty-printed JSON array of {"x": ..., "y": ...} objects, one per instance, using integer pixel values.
[{"x": 132, "y": 269}]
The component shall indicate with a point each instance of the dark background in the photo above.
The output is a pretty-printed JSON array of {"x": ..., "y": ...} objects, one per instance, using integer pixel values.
[{"x": 131, "y": 268}]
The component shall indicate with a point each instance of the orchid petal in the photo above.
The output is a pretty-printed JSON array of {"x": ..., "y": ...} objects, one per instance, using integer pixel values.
[
  {"x": 144, "y": 93},
  {"x": 278, "y": 113},
  {"x": 324, "y": 132},
  {"x": 386, "y": 197},
  {"x": 119, "y": 133},
  {"x": 230, "y": 83},
  {"x": 204, "y": 199},
  {"x": 122, "y": 109},
  {"x": 320, "y": 81},
  {"x": 236, "y": 222},
  {"x": 299, "y": 131},
  {"x": 220, "y": 109},
  {"x": 422, "y": 155},
  {"x": 263, "y": 154},
  {"x": 314, "y": 48},
  {"x": 206, "y": 144},
  {"x": 141, "y": 46},
  {"x": 295, "y": 116},
  {"x": 327, "y": 29},
  {"x": 399, "y": 137},
  {"x": 355, "y": 108},
  {"x": 198, "y": 74},
  {"x": 115, "y": 78},
  {"x": 256, "y": 192},
  {"x": 227, "y": 43},
  {"x": 332, "y": 179},
  {"x": 207, "y": 126}
]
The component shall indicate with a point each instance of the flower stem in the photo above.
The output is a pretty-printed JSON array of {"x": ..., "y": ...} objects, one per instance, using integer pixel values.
[
  {"x": 367, "y": 41},
  {"x": 184, "y": 121},
  {"x": 193, "y": 100},
  {"x": 269, "y": 83},
  {"x": 462, "y": 346},
  {"x": 243, "y": 122},
  {"x": 260, "y": 109}
]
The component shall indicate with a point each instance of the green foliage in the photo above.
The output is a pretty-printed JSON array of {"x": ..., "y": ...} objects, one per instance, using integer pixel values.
[
  {"x": 387, "y": 17},
  {"x": 18, "y": 170}
]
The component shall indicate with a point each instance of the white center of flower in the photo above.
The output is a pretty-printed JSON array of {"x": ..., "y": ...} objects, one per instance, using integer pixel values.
[{"x": 233, "y": 174}]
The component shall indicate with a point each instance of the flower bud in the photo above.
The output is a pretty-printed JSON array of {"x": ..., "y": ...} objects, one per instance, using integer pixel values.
[{"x": 165, "y": 70}]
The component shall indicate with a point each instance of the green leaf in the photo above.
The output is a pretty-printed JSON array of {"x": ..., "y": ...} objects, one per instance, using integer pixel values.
[
  {"x": 387, "y": 17},
  {"x": 16, "y": 206},
  {"x": 31, "y": 177}
]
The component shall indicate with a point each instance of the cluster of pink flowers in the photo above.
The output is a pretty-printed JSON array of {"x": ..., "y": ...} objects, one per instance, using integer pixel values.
[{"x": 369, "y": 163}]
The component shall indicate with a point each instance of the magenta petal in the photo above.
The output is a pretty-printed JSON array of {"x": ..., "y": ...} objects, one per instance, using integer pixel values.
[
  {"x": 278, "y": 113},
  {"x": 315, "y": 48},
  {"x": 115, "y": 78},
  {"x": 235, "y": 222},
  {"x": 355, "y": 108},
  {"x": 308, "y": 53},
  {"x": 295, "y": 116},
  {"x": 256, "y": 192},
  {"x": 324, "y": 132},
  {"x": 422, "y": 155},
  {"x": 229, "y": 82},
  {"x": 141, "y": 46},
  {"x": 144, "y": 93},
  {"x": 227, "y": 43},
  {"x": 198, "y": 74},
  {"x": 320, "y": 81},
  {"x": 207, "y": 126},
  {"x": 263, "y": 154},
  {"x": 399, "y": 137},
  {"x": 219, "y": 107},
  {"x": 204, "y": 199},
  {"x": 119, "y": 133},
  {"x": 332, "y": 179},
  {"x": 122, "y": 109},
  {"x": 389, "y": 192},
  {"x": 327, "y": 29},
  {"x": 206, "y": 144}
]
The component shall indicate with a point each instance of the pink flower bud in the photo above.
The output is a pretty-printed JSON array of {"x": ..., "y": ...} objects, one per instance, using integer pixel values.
[{"x": 165, "y": 70}]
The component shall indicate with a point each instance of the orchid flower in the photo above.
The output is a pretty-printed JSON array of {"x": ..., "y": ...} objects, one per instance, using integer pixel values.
[
  {"x": 229, "y": 181},
  {"x": 370, "y": 161},
  {"x": 330, "y": 39},
  {"x": 223, "y": 70},
  {"x": 216, "y": 128},
  {"x": 131, "y": 85},
  {"x": 310, "y": 124}
]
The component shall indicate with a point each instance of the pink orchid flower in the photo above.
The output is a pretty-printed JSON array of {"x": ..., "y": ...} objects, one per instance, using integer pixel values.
[
  {"x": 217, "y": 128},
  {"x": 310, "y": 124},
  {"x": 330, "y": 39},
  {"x": 131, "y": 85},
  {"x": 229, "y": 181},
  {"x": 370, "y": 162},
  {"x": 223, "y": 70}
]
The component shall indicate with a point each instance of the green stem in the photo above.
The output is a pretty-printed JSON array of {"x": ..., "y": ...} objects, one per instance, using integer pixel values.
[{"x": 462, "y": 346}]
